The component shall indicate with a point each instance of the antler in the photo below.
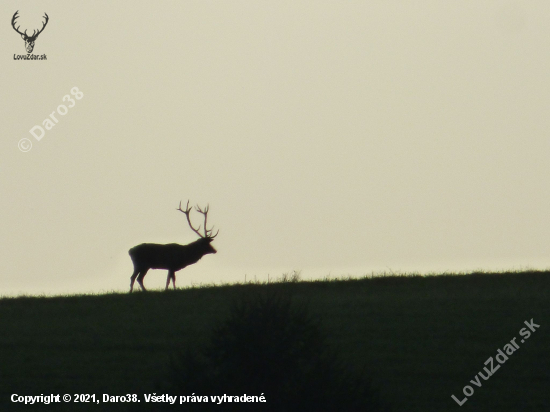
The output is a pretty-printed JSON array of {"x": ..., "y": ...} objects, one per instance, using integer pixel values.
[
  {"x": 43, "y": 26},
  {"x": 207, "y": 233},
  {"x": 15, "y": 16},
  {"x": 187, "y": 211},
  {"x": 34, "y": 33}
]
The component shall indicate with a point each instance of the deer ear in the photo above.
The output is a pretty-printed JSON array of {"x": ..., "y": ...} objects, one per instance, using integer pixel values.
[{"x": 23, "y": 36}]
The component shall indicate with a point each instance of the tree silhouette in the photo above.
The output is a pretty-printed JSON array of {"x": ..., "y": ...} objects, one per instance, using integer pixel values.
[{"x": 270, "y": 346}]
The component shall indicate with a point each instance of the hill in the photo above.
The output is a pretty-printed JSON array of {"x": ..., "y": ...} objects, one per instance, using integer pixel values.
[{"x": 420, "y": 338}]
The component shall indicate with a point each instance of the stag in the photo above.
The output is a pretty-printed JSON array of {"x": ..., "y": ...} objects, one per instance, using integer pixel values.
[
  {"x": 29, "y": 40},
  {"x": 172, "y": 256}
]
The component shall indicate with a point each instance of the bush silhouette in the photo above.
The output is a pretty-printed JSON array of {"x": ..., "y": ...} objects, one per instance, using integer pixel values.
[{"x": 270, "y": 346}]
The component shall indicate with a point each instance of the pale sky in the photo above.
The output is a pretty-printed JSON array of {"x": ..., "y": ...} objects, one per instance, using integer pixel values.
[{"x": 335, "y": 138}]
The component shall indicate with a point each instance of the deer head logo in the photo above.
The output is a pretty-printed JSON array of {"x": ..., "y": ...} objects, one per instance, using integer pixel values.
[{"x": 29, "y": 40}]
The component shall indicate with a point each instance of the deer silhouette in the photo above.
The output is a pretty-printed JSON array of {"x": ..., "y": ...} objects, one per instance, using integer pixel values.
[
  {"x": 29, "y": 40},
  {"x": 172, "y": 256}
]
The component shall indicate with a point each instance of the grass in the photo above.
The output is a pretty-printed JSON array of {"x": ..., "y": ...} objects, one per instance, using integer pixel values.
[{"x": 420, "y": 338}]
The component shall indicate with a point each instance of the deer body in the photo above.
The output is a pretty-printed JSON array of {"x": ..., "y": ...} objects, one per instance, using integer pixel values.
[{"x": 172, "y": 256}]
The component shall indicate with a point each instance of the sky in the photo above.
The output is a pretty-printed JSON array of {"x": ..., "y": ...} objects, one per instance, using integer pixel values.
[{"x": 331, "y": 138}]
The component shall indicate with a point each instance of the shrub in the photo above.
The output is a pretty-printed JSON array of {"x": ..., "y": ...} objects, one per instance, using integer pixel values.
[{"x": 270, "y": 346}]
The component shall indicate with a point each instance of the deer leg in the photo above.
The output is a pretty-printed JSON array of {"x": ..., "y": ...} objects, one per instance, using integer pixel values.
[
  {"x": 140, "y": 278},
  {"x": 133, "y": 279},
  {"x": 170, "y": 276},
  {"x": 174, "y": 280},
  {"x": 168, "y": 279}
]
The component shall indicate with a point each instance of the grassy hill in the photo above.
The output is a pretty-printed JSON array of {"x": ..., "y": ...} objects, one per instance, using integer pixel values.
[{"x": 421, "y": 339}]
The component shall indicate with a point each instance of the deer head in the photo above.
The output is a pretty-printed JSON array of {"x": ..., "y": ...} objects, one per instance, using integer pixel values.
[
  {"x": 29, "y": 40},
  {"x": 207, "y": 232}
]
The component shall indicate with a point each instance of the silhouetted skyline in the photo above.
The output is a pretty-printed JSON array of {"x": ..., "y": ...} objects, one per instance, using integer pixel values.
[{"x": 329, "y": 138}]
